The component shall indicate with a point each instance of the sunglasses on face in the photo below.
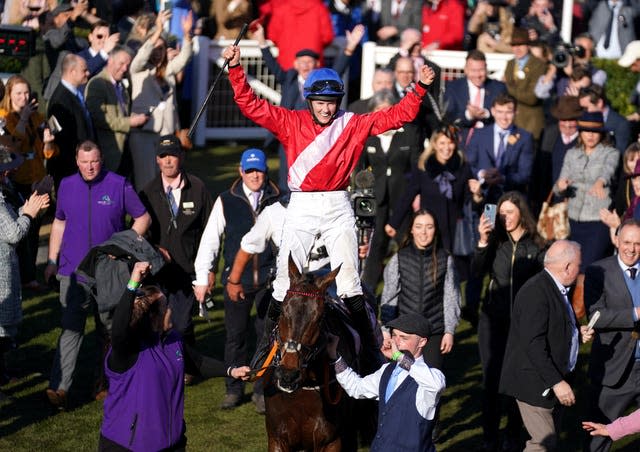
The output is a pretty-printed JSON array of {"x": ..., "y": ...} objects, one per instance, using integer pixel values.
[{"x": 321, "y": 85}]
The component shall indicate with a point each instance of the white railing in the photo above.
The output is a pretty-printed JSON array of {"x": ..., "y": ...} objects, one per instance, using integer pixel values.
[{"x": 222, "y": 119}]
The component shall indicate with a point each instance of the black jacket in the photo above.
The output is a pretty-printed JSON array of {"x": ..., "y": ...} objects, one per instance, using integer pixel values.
[
  {"x": 539, "y": 344},
  {"x": 182, "y": 238},
  {"x": 510, "y": 264},
  {"x": 446, "y": 211}
]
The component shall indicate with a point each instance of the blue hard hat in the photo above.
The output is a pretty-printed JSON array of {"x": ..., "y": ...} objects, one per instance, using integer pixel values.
[{"x": 323, "y": 83}]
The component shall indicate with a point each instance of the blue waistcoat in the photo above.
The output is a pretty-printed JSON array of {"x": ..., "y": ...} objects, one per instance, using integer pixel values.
[{"x": 400, "y": 426}]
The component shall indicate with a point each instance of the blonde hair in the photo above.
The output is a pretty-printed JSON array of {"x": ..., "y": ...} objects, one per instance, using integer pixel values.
[{"x": 448, "y": 131}]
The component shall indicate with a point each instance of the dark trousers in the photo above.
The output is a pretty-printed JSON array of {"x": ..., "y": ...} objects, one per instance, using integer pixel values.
[
  {"x": 431, "y": 352},
  {"x": 609, "y": 403},
  {"x": 492, "y": 341},
  {"x": 593, "y": 237},
  {"x": 237, "y": 315},
  {"x": 379, "y": 245}
]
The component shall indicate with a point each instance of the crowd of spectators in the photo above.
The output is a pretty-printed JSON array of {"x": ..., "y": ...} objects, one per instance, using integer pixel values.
[{"x": 117, "y": 73}]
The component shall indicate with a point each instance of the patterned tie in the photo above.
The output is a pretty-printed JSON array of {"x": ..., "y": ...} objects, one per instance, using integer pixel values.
[
  {"x": 501, "y": 149},
  {"x": 392, "y": 382},
  {"x": 172, "y": 201}
]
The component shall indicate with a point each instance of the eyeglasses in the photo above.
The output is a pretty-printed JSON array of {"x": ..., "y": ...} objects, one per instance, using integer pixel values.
[{"x": 322, "y": 85}]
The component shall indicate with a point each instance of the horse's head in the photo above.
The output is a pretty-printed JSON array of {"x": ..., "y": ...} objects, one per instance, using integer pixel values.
[{"x": 300, "y": 325}]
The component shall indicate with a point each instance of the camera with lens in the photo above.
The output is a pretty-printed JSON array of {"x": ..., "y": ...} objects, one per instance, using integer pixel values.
[
  {"x": 363, "y": 200},
  {"x": 364, "y": 207},
  {"x": 563, "y": 52}
]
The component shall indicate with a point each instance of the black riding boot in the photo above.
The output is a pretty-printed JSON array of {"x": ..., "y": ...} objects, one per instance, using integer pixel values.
[
  {"x": 362, "y": 322},
  {"x": 270, "y": 322}
]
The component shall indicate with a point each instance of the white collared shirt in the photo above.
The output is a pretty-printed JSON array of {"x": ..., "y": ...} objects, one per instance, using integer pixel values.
[{"x": 431, "y": 384}]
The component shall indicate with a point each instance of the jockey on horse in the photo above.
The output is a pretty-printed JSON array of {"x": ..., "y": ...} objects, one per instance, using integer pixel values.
[{"x": 323, "y": 145}]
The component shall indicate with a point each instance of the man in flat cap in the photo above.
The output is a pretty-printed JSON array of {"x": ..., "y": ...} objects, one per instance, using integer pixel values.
[{"x": 406, "y": 388}]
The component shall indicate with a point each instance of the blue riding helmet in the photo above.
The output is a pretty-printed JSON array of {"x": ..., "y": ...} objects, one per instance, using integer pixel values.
[{"x": 323, "y": 84}]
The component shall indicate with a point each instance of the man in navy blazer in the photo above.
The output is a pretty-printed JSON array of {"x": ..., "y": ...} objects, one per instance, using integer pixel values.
[
  {"x": 501, "y": 167},
  {"x": 97, "y": 54},
  {"x": 460, "y": 96}
]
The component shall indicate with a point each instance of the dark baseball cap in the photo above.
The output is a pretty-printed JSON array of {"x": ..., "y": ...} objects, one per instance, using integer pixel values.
[{"x": 169, "y": 145}]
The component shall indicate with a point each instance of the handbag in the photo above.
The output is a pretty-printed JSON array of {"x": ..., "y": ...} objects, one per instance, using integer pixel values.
[
  {"x": 553, "y": 222},
  {"x": 466, "y": 234}
]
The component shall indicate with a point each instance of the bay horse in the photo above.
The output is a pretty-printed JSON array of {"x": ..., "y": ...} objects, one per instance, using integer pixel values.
[{"x": 305, "y": 406}]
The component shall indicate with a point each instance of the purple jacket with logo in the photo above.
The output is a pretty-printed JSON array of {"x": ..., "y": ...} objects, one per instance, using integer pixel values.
[
  {"x": 92, "y": 212},
  {"x": 145, "y": 406}
]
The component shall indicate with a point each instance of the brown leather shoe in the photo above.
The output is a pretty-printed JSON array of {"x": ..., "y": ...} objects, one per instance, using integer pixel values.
[
  {"x": 101, "y": 395},
  {"x": 230, "y": 401},
  {"x": 188, "y": 379},
  {"x": 57, "y": 398}
]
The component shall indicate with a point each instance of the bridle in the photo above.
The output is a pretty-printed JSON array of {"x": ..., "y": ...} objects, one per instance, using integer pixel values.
[{"x": 287, "y": 346}]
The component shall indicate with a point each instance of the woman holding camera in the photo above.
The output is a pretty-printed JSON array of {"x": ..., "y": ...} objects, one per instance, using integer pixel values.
[
  {"x": 510, "y": 251},
  {"x": 154, "y": 71},
  {"x": 585, "y": 179},
  {"x": 24, "y": 122}
]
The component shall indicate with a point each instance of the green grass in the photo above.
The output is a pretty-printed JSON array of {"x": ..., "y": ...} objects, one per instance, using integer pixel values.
[{"x": 27, "y": 423}]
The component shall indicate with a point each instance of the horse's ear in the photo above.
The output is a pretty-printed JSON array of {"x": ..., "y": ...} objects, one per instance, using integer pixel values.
[
  {"x": 294, "y": 273},
  {"x": 325, "y": 281}
]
